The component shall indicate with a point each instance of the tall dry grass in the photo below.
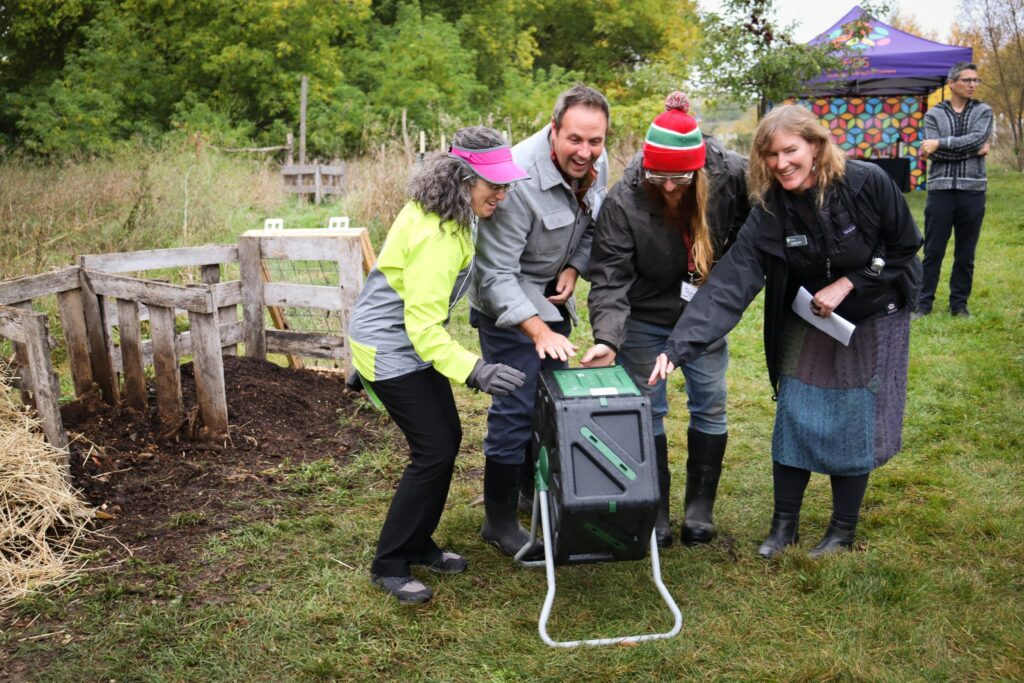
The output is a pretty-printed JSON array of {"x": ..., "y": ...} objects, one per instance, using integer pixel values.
[
  {"x": 147, "y": 199},
  {"x": 377, "y": 188},
  {"x": 151, "y": 199}
]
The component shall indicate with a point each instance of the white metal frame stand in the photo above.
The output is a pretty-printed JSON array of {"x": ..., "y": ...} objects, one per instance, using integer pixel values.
[{"x": 540, "y": 498}]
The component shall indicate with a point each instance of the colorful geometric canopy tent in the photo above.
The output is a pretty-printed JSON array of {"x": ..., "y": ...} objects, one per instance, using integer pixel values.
[
  {"x": 875, "y": 108},
  {"x": 884, "y": 130},
  {"x": 887, "y": 61}
]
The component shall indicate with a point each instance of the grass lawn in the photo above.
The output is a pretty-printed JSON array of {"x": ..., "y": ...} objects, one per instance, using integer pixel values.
[{"x": 934, "y": 591}]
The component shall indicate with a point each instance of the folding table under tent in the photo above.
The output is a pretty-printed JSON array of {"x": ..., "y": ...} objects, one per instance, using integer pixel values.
[{"x": 875, "y": 110}]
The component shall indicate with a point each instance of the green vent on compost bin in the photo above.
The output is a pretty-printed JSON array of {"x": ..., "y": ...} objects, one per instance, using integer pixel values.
[
  {"x": 608, "y": 453},
  {"x": 600, "y": 533}
]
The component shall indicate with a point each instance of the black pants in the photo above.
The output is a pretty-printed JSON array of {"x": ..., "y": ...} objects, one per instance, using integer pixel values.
[
  {"x": 422, "y": 405},
  {"x": 958, "y": 213}
]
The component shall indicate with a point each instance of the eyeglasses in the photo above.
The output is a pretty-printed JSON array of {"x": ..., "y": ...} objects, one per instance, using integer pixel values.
[
  {"x": 659, "y": 179},
  {"x": 507, "y": 187},
  {"x": 970, "y": 81}
]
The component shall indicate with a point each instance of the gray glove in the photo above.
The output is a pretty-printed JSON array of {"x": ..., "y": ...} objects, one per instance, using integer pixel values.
[{"x": 496, "y": 379}]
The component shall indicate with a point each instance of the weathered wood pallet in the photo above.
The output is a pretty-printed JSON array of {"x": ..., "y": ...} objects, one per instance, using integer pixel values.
[{"x": 96, "y": 298}]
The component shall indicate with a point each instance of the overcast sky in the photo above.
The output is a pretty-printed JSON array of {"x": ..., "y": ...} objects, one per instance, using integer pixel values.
[{"x": 814, "y": 17}]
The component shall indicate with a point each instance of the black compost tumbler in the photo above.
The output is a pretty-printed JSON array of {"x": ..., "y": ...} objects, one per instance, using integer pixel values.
[{"x": 593, "y": 441}]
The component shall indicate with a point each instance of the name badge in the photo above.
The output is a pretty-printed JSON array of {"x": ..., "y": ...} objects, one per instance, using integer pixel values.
[
  {"x": 689, "y": 291},
  {"x": 796, "y": 240}
]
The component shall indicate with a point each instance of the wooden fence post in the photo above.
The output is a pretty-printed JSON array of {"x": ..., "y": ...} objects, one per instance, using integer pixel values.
[
  {"x": 250, "y": 265},
  {"x": 225, "y": 314},
  {"x": 23, "y": 361},
  {"x": 209, "y": 372},
  {"x": 72, "y": 316},
  {"x": 169, "y": 405},
  {"x": 99, "y": 355},
  {"x": 45, "y": 389},
  {"x": 132, "y": 365}
]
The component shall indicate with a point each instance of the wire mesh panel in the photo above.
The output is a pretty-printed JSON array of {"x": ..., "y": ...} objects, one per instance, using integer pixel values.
[
  {"x": 311, "y": 279},
  {"x": 301, "y": 319}
]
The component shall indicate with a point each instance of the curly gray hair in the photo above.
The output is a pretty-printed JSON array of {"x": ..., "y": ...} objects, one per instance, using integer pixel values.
[{"x": 441, "y": 184}]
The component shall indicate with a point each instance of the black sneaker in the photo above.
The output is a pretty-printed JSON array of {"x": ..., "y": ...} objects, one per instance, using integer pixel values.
[
  {"x": 406, "y": 589},
  {"x": 918, "y": 314},
  {"x": 960, "y": 313},
  {"x": 448, "y": 563}
]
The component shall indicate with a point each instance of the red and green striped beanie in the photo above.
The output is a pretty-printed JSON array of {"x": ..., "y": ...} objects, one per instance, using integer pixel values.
[{"x": 674, "y": 143}]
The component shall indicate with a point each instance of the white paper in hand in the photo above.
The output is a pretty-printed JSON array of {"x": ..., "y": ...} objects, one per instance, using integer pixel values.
[{"x": 835, "y": 326}]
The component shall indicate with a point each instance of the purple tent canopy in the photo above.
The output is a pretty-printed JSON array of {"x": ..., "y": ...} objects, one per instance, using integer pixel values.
[{"x": 886, "y": 62}]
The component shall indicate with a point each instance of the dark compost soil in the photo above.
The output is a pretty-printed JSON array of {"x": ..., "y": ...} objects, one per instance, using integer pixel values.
[{"x": 164, "y": 494}]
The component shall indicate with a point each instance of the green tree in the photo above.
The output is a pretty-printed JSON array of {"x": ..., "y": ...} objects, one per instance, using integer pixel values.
[
  {"x": 525, "y": 104},
  {"x": 497, "y": 31},
  {"x": 998, "y": 27},
  {"x": 750, "y": 58},
  {"x": 137, "y": 67},
  {"x": 418, "y": 64},
  {"x": 608, "y": 40},
  {"x": 35, "y": 35},
  {"x": 112, "y": 87},
  {"x": 84, "y": 76}
]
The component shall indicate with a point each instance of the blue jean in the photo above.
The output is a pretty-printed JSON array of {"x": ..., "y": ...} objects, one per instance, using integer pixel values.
[
  {"x": 510, "y": 418},
  {"x": 705, "y": 377}
]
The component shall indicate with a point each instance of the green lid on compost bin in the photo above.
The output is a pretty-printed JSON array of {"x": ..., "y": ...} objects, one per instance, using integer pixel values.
[{"x": 588, "y": 382}]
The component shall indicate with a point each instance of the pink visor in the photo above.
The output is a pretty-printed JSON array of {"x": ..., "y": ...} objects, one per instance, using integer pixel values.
[{"x": 494, "y": 165}]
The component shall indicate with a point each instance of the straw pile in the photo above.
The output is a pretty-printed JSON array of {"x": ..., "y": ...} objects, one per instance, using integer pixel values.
[{"x": 41, "y": 518}]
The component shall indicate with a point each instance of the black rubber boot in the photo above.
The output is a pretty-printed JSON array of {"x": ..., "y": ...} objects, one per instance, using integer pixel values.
[
  {"x": 838, "y": 538},
  {"x": 703, "y": 469},
  {"x": 785, "y": 531},
  {"x": 501, "y": 526},
  {"x": 526, "y": 484},
  {"x": 662, "y": 525}
]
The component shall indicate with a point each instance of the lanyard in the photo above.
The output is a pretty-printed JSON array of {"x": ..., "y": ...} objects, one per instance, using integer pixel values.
[{"x": 691, "y": 267}]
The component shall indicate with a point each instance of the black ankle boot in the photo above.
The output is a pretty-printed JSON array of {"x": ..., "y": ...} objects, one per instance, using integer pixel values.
[
  {"x": 784, "y": 532},
  {"x": 662, "y": 525},
  {"x": 703, "y": 469},
  {"x": 501, "y": 526},
  {"x": 838, "y": 538}
]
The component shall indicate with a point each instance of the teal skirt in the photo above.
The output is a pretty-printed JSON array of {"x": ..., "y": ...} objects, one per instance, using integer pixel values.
[{"x": 840, "y": 408}]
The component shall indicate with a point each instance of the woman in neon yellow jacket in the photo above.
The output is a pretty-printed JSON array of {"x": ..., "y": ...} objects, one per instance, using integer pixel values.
[{"x": 407, "y": 359}]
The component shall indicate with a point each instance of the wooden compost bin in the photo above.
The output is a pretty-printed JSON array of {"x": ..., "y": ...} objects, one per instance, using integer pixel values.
[{"x": 96, "y": 295}]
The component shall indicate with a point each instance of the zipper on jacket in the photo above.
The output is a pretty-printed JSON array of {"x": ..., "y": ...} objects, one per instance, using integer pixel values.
[{"x": 828, "y": 269}]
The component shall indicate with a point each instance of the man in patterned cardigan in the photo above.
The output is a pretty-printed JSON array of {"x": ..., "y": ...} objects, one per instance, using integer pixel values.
[{"x": 957, "y": 133}]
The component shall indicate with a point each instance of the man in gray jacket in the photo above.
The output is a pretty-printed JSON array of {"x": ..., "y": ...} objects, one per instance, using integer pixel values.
[
  {"x": 957, "y": 135},
  {"x": 529, "y": 255}
]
